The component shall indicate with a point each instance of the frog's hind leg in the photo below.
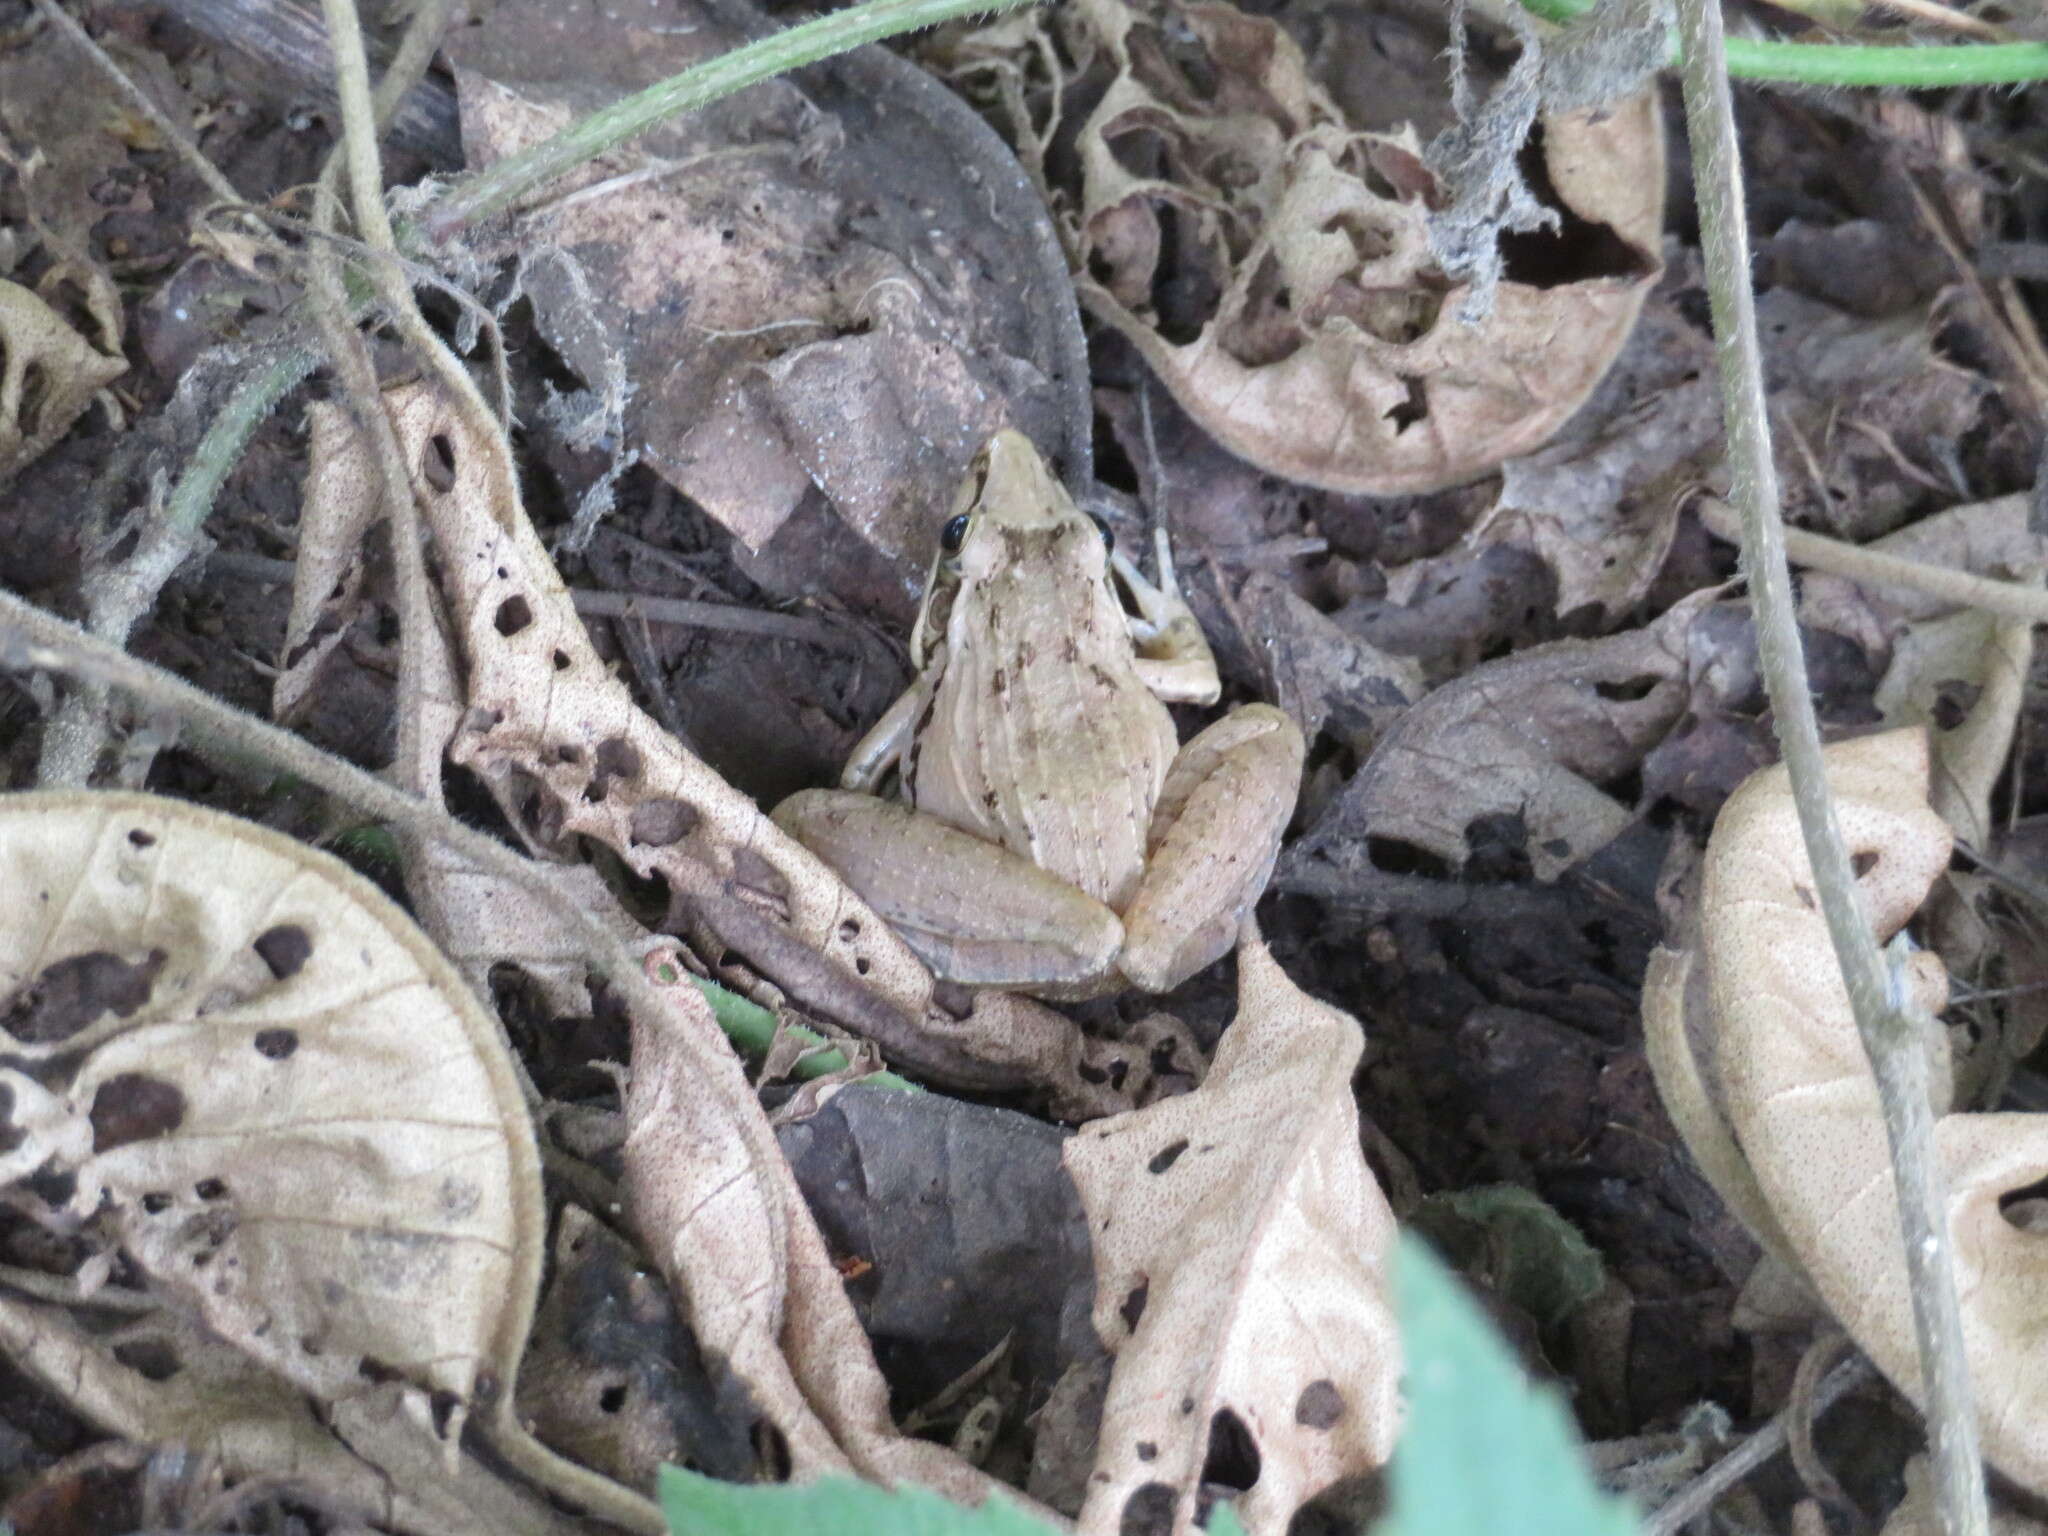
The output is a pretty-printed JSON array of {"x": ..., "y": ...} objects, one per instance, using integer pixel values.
[
  {"x": 972, "y": 910},
  {"x": 1211, "y": 846}
]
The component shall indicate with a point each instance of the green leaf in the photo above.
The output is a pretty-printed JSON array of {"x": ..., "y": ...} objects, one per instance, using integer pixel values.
[
  {"x": 1530, "y": 1256},
  {"x": 1485, "y": 1449}
]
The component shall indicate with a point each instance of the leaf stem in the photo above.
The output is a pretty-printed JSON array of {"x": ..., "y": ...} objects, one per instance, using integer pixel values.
[
  {"x": 1901, "y": 66},
  {"x": 505, "y": 183},
  {"x": 1890, "y": 1035}
]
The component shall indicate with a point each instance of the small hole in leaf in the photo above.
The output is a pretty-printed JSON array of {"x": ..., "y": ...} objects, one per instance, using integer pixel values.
[
  {"x": 1133, "y": 1306},
  {"x": 151, "y": 1359},
  {"x": 437, "y": 463},
  {"x": 561, "y": 661},
  {"x": 1148, "y": 1511},
  {"x": 1233, "y": 1460},
  {"x": 1411, "y": 410},
  {"x": 1863, "y": 863},
  {"x": 209, "y": 1189},
  {"x": 861, "y": 965},
  {"x": 1629, "y": 691},
  {"x": 658, "y": 823},
  {"x": 849, "y": 931},
  {"x": 141, "y": 839},
  {"x": 1320, "y": 1405},
  {"x": 156, "y": 1202},
  {"x": 513, "y": 615},
  {"x": 611, "y": 1399}
]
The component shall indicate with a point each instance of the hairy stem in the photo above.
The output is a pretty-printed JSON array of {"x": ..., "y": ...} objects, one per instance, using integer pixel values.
[{"x": 1890, "y": 1036}]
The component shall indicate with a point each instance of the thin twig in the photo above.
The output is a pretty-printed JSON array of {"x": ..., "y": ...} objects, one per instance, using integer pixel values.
[
  {"x": 1875, "y": 568},
  {"x": 1890, "y": 1037},
  {"x": 1706, "y": 1490},
  {"x": 729, "y": 617}
]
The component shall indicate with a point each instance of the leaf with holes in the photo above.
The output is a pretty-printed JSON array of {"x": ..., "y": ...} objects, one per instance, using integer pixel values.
[
  {"x": 235, "y": 1059},
  {"x": 1272, "y": 259},
  {"x": 1532, "y": 740},
  {"x": 1241, "y": 1251},
  {"x": 1787, "y": 1075}
]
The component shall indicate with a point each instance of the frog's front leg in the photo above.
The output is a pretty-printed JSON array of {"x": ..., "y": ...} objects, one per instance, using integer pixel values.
[
  {"x": 1210, "y": 849},
  {"x": 889, "y": 737},
  {"x": 1173, "y": 656},
  {"x": 972, "y": 910}
]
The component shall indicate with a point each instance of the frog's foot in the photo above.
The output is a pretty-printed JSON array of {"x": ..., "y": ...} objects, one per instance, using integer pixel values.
[
  {"x": 1211, "y": 846},
  {"x": 1173, "y": 658},
  {"x": 972, "y": 910}
]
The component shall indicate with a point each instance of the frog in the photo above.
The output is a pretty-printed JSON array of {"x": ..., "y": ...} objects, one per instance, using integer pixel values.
[{"x": 1048, "y": 831}]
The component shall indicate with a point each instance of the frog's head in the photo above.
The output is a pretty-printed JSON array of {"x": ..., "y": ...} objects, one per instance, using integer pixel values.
[{"x": 1012, "y": 513}]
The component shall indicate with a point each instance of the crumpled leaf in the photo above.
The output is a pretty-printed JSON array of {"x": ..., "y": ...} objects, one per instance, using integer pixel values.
[
  {"x": 1963, "y": 677},
  {"x": 1273, "y": 262},
  {"x": 1241, "y": 1276},
  {"x": 48, "y": 376},
  {"x": 247, "y": 1068},
  {"x": 1534, "y": 735},
  {"x": 1790, "y": 1075},
  {"x": 559, "y": 740},
  {"x": 774, "y": 303}
]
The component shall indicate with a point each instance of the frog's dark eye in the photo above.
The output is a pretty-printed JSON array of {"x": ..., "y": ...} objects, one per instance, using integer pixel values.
[
  {"x": 954, "y": 534},
  {"x": 1102, "y": 527}
]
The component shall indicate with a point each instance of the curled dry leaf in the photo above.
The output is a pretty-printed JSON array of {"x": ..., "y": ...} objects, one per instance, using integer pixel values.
[
  {"x": 713, "y": 1200},
  {"x": 1273, "y": 263},
  {"x": 1241, "y": 1276},
  {"x": 1535, "y": 735},
  {"x": 559, "y": 740},
  {"x": 1788, "y": 1072},
  {"x": 242, "y": 1064},
  {"x": 1963, "y": 677},
  {"x": 48, "y": 376}
]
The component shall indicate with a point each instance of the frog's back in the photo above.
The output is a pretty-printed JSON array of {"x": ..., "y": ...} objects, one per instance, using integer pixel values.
[{"x": 1043, "y": 738}]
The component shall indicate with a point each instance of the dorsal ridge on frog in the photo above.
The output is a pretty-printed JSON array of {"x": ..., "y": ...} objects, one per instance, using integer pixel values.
[{"x": 1052, "y": 834}]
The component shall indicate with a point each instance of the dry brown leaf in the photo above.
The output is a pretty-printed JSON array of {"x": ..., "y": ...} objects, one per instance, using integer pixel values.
[
  {"x": 1798, "y": 1092},
  {"x": 48, "y": 376},
  {"x": 1241, "y": 1252},
  {"x": 1273, "y": 262},
  {"x": 1534, "y": 735},
  {"x": 289, "y": 1113},
  {"x": 1985, "y": 538},
  {"x": 772, "y": 302},
  {"x": 569, "y": 755},
  {"x": 713, "y": 1200},
  {"x": 340, "y": 504}
]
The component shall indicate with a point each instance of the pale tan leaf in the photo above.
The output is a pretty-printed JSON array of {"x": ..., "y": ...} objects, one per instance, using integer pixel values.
[
  {"x": 1800, "y": 1095},
  {"x": 340, "y": 504},
  {"x": 1241, "y": 1252},
  {"x": 48, "y": 376}
]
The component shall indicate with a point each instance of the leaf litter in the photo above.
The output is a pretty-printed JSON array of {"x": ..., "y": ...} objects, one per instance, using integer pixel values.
[{"x": 1494, "y": 609}]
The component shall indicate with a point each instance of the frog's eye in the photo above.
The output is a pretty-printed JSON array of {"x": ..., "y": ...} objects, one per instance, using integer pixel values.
[
  {"x": 954, "y": 534},
  {"x": 1102, "y": 527}
]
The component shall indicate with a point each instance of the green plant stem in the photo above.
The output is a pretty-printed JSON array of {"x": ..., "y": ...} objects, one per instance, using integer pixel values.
[
  {"x": 512, "y": 179},
  {"x": 1891, "y": 1037},
  {"x": 1868, "y": 64}
]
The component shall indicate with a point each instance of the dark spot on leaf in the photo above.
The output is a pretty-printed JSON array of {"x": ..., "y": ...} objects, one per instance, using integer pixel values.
[
  {"x": 75, "y": 992},
  {"x": 156, "y": 1202},
  {"x": 285, "y": 949},
  {"x": 277, "y": 1044},
  {"x": 617, "y": 758},
  {"x": 1629, "y": 690},
  {"x": 1405, "y": 413},
  {"x": 1319, "y": 1406},
  {"x": 134, "y": 1107},
  {"x": 1167, "y": 1156},
  {"x": 1805, "y": 895},
  {"x": 611, "y": 1399},
  {"x": 138, "y": 838},
  {"x": 437, "y": 463},
  {"x": 1147, "y": 1451},
  {"x": 151, "y": 1359},
  {"x": 1863, "y": 863}
]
